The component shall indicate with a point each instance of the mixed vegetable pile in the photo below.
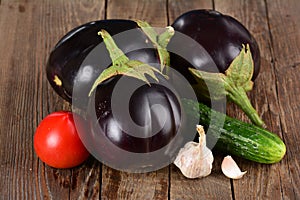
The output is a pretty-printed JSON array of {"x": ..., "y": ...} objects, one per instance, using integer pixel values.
[{"x": 225, "y": 70}]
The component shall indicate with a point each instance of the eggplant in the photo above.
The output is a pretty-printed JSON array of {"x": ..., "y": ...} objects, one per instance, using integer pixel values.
[
  {"x": 218, "y": 53},
  {"x": 129, "y": 124},
  {"x": 145, "y": 138},
  {"x": 111, "y": 133},
  {"x": 68, "y": 54},
  {"x": 129, "y": 132},
  {"x": 79, "y": 52},
  {"x": 221, "y": 36}
]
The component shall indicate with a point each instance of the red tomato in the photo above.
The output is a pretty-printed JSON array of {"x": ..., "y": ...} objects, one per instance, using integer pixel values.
[{"x": 56, "y": 141}]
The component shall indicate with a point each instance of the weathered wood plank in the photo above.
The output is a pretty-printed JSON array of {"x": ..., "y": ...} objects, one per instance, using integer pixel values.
[
  {"x": 83, "y": 182},
  {"x": 29, "y": 29},
  {"x": 176, "y": 8},
  {"x": 154, "y": 11},
  {"x": 284, "y": 24},
  {"x": 122, "y": 185},
  {"x": 215, "y": 186},
  {"x": 19, "y": 66},
  {"x": 263, "y": 181}
]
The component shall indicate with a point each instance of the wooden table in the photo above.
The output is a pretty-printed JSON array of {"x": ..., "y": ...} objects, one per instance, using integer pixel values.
[{"x": 29, "y": 30}]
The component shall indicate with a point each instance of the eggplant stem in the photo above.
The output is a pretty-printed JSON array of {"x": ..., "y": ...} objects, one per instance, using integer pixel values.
[
  {"x": 121, "y": 65},
  {"x": 117, "y": 56},
  {"x": 240, "y": 98},
  {"x": 159, "y": 41},
  {"x": 234, "y": 83}
]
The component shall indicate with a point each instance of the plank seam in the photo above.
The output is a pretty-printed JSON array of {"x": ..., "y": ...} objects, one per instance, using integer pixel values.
[
  {"x": 105, "y": 8},
  {"x": 71, "y": 182},
  {"x": 232, "y": 189},
  {"x": 167, "y": 12},
  {"x": 100, "y": 180},
  {"x": 169, "y": 182}
]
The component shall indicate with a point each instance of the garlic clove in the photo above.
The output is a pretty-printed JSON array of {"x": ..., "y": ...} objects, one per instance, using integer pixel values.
[
  {"x": 195, "y": 160},
  {"x": 231, "y": 169}
]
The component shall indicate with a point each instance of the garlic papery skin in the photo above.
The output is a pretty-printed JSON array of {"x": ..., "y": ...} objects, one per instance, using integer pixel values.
[
  {"x": 195, "y": 160},
  {"x": 231, "y": 169}
]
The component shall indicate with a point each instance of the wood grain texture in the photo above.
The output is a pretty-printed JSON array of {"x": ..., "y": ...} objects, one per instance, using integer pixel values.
[
  {"x": 178, "y": 7},
  {"x": 154, "y": 11},
  {"x": 121, "y": 185},
  {"x": 215, "y": 185},
  {"x": 284, "y": 27},
  {"x": 267, "y": 181},
  {"x": 31, "y": 29},
  {"x": 263, "y": 181}
]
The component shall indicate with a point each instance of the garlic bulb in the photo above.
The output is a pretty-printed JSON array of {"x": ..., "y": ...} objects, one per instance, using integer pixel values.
[
  {"x": 195, "y": 159},
  {"x": 231, "y": 169}
]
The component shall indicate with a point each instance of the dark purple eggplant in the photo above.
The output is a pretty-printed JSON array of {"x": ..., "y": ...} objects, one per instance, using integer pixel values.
[
  {"x": 133, "y": 123},
  {"x": 131, "y": 114},
  {"x": 67, "y": 56},
  {"x": 218, "y": 45},
  {"x": 220, "y": 35},
  {"x": 113, "y": 126},
  {"x": 78, "y": 49},
  {"x": 110, "y": 137}
]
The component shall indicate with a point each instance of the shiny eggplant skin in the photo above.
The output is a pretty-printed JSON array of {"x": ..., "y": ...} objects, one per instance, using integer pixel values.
[
  {"x": 65, "y": 61},
  {"x": 67, "y": 56},
  {"x": 163, "y": 121},
  {"x": 220, "y": 35}
]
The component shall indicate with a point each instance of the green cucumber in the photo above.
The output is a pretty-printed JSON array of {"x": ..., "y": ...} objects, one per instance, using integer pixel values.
[{"x": 236, "y": 137}]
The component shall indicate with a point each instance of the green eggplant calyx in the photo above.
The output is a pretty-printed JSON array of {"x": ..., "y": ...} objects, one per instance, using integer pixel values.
[
  {"x": 234, "y": 83},
  {"x": 121, "y": 65},
  {"x": 160, "y": 42}
]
